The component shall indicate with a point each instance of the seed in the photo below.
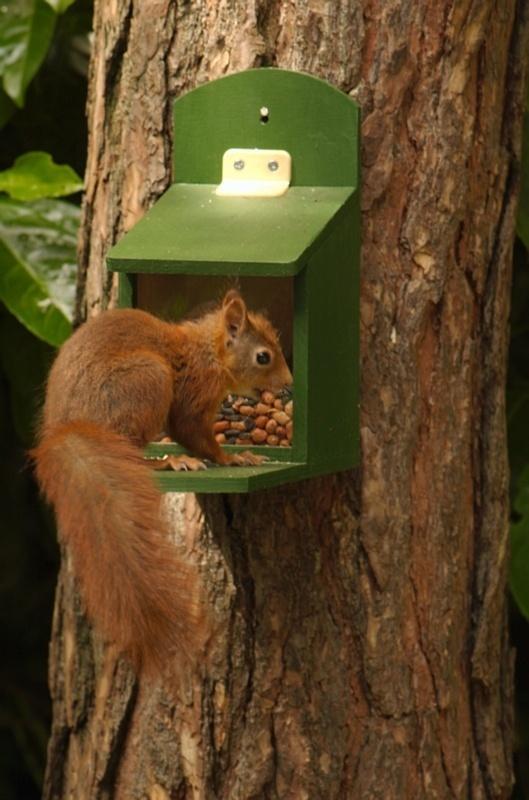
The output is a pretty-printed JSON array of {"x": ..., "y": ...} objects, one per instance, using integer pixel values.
[
  {"x": 281, "y": 417},
  {"x": 265, "y": 420},
  {"x": 238, "y": 426},
  {"x": 271, "y": 426},
  {"x": 221, "y": 425}
]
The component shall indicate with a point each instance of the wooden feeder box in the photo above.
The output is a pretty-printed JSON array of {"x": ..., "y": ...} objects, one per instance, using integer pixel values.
[{"x": 294, "y": 250}]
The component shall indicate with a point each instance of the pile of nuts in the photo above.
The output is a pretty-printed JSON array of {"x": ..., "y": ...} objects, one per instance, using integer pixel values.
[{"x": 246, "y": 421}]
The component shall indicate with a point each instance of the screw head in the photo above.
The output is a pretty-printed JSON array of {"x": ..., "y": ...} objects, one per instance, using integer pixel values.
[
  {"x": 273, "y": 166},
  {"x": 239, "y": 164}
]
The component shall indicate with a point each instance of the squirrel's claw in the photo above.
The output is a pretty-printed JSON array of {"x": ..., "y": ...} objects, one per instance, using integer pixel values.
[
  {"x": 185, "y": 463},
  {"x": 181, "y": 463},
  {"x": 247, "y": 459}
]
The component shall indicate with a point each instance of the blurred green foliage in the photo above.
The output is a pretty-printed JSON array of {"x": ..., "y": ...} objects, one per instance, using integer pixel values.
[
  {"x": 518, "y": 393},
  {"x": 26, "y": 30},
  {"x": 43, "y": 75},
  {"x": 518, "y": 434},
  {"x": 38, "y": 257},
  {"x": 36, "y": 175}
]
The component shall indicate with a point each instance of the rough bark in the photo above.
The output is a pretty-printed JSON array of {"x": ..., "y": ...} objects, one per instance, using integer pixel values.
[{"x": 362, "y": 649}]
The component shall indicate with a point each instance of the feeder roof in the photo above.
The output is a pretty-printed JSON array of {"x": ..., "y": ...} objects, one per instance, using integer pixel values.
[{"x": 191, "y": 230}]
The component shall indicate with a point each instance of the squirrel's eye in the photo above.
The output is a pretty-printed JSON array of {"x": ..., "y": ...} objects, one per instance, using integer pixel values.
[{"x": 263, "y": 357}]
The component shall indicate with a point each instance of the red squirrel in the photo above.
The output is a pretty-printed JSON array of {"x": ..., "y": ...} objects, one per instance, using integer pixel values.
[{"x": 121, "y": 379}]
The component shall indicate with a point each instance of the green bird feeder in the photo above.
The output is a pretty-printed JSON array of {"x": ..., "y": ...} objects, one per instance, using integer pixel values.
[{"x": 265, "y": 194}]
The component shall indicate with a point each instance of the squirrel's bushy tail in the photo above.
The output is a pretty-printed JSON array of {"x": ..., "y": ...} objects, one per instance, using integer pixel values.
[{"x": 136, "y": 589}]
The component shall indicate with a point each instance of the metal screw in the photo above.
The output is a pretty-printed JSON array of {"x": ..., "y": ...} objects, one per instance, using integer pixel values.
[
  {"x": 273, "y": 166},
  {"x": 238, "y": 164}
]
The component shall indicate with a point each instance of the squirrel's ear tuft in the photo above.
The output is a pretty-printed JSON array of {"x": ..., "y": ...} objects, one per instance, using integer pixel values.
[
  {"x": 234, "y": 312},
  {"x": 231, "y": 294}
]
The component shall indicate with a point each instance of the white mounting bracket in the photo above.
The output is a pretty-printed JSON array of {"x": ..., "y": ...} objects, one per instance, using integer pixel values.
[{"x": 255, "y": 173}]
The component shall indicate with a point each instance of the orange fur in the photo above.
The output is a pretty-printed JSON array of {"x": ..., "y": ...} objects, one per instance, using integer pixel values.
[{"x": 120, "y": 380}]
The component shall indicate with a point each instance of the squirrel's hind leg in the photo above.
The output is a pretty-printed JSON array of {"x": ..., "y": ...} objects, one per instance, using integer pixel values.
[{"x": 135, "y": 398}]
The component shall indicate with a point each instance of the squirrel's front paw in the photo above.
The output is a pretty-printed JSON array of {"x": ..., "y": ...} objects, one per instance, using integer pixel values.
[
  {"x": 247, "y": 459},
  {"x": 181, "y": 463},
  {"x": 186, "y": 463}
]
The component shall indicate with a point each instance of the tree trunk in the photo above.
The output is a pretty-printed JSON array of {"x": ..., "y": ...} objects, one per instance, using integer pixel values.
[{"x": 362, "y": 649}]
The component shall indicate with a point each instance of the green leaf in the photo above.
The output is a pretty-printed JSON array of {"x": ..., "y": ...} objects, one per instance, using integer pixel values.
[
  {"x": 521, "y": 501},
  {"x": 35, "y": 175},
  {"x": 26, "y": 30},
  {"x": 519, "y": 574},
  {"x": 60, "y": 6},
  {"x": 38, "y": 264}
]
